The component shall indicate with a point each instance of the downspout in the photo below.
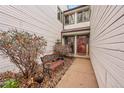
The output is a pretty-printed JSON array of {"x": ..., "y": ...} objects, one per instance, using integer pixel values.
[
  {"x": 63, "y": 20},
  {"x": 62, "y": 25}
]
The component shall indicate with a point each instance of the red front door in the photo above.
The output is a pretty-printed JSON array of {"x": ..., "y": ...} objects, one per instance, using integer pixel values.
[{"x": 81, "y": 45}]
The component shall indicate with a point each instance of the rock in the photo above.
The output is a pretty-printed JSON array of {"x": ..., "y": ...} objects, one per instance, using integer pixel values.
[{"x": 39, "y": 79}]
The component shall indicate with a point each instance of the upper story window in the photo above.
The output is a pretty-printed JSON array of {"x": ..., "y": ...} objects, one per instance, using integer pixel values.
[
  {"x": 69, "y": 19},
  {"x": 59, "y": 14},
  {"x": 83, "y": 16}
]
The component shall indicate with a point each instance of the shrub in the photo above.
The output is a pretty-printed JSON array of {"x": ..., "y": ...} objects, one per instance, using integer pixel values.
[
  {"x": 62, "y": 50},
  {"x": 23, "y": 49},
  {"x": 11, "y": 83}
]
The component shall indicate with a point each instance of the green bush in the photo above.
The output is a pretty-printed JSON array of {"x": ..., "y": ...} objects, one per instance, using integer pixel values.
[{"x": 11, "y": 83}]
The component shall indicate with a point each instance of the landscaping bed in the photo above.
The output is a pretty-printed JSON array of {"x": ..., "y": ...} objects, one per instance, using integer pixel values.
[
  {"x": 23, "y": 49},
  {"x": 21, "y": 82}
]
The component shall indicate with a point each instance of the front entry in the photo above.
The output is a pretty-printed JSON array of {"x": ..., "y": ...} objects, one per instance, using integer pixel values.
[{"x": 78, "y": 44}]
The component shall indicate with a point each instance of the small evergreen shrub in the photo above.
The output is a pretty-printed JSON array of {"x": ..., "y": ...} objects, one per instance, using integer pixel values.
[{"x": 11, "y": 83}]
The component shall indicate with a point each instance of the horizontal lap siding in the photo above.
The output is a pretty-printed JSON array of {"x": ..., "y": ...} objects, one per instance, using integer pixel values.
[
  {"x": 41, "y": 20},
  {"x": 107, "y": 45}
]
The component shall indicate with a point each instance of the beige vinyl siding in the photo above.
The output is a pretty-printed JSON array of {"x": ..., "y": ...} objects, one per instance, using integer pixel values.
[
  {"x": 107, "y": 44},
  {"x": 41, "y": 20}
]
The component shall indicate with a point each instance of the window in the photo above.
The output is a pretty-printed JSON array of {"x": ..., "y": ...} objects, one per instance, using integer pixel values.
[
  {"x": 86, "y": 15},
  {"x": 59, "y": 14},
  {"x": 79, "y": 17},
  {"x": 69, "y": 41},
  {"x": 69, "y": 19},
  {"x": 83, "y": 16}
]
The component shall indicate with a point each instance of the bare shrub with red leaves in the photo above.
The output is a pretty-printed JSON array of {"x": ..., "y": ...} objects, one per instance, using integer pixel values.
[
  {"x": 62, "y": 50},
  {"x": 23, "y": 49}
]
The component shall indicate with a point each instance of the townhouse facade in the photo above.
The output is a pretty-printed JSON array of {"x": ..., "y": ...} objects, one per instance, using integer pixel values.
[{"x": 76, "y": 30}]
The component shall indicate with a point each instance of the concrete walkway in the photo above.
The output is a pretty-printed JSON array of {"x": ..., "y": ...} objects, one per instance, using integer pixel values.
[{"x": 79, "y": 75}]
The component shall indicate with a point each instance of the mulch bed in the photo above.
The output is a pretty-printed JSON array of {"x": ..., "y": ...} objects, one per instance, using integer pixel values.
[{"x": 29, "y": 83}]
